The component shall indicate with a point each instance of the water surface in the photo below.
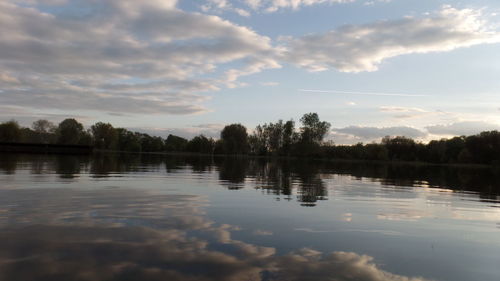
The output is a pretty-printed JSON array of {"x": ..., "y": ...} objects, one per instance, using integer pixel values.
[{"x": 131, "y": 217}]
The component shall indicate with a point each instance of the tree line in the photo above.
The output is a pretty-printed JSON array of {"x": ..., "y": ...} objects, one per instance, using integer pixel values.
[{"x": 281, "y": 138}]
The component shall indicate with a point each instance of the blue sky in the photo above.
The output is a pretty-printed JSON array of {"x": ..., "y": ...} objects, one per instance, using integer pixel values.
[{"x": 425, "y": 69}]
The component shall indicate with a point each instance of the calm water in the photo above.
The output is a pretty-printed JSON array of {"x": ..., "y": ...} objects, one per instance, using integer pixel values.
[{"x": 112, "y": 217}]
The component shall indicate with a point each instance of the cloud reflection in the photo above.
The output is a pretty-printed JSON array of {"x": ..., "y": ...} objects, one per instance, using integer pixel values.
[{"x": 124, "y": 234}]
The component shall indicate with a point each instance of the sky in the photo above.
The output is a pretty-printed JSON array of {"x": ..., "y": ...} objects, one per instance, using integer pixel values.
[{"x": 424, "y": 69}]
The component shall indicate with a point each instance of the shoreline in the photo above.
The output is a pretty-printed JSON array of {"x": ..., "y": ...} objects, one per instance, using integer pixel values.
[{"x": 39, "y": 148}]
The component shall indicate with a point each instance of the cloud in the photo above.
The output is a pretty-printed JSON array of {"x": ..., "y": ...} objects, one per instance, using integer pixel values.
[
  {"x": 219, "y": 6},
  {"x": 208, "y": 130},
  {"x": 354, "y": 134},
  {"x": 462, "y": 128},
  {"x": 308, "y": 264},
  {"x": 121, "y": 56},
  {"x": 403, "y": 113},
  {"x": 26, "y": 117},
  {"x": 149, "y": 57},
  {"x": 117, "y": 234},
  {"x": 271, "y": 6},
  {"x": 401, "y": 109},
  {"x": 356, "y": 48}
]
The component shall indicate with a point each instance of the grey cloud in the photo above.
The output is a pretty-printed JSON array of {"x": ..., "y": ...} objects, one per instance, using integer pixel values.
[
  {"x": 355, "y": 48},
  {"x": 462, "y": 128},
  {"x": 353, "y": 134},
  {"x": 26, "y": 117},
  {"x": 82, "y": 100},
  {"x": 208, "y": 130},
  {"x": 137, "y": 49},
  {"x": 137, "y": 57}
]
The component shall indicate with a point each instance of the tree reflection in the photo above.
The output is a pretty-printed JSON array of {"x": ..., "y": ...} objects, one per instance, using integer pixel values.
[
  {"x": 283, "y": 178},
  {"x": 232, "y": 171},
  {"x": 8, "y": 162},
  {"x": 274, "y": 177},
  {"x": 68, "y": 167},
  {"x": 312, "y": 187}
]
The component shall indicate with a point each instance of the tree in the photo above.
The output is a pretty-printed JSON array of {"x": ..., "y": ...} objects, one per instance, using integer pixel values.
[
  {"x": 43, "y": 126},
  {"x": 128, "y": 141},
  {"x": 175, "y": 143},
  {"x": 312, "y": 133},
  {"x": 400, "y": 148},
  {"x": 151, "y": 143},
  {"x": 313, "y": 130},
  {"x": 71, "y": 131},
  {"x": 105, "y": 136},
  {"x": 201, "y": 144},
  {"x": 289, "y": 137},
  {"x": 43, "y": 131},
  {"x": 484, "y": 147},
  {"x": 10, "y": 131},
  {"x": 235, "y": 139},
  {"x": 257, "y": 141},
  {"x": 275, "y": 138}
]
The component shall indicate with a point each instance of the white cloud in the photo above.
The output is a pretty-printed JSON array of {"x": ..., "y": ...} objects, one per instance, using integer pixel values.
[
  {"x": 401, "y": 109},
  {"x": 219, "y": 6},
  {"x": 404, "y": 113},
  {"x": 308, "y": 264},
  {"x": 123, "y": 56},
  {"x": 355, "y": 48},
  {"x": 149, "y": 57},
  {"x": 275, "y": 5}
]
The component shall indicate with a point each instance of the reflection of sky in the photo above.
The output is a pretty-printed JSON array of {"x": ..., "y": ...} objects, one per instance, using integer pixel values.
[{"x": 162, "y": 224}]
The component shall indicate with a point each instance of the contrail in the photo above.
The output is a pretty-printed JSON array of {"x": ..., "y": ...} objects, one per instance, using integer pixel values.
[{"x": 363, "y": 93}]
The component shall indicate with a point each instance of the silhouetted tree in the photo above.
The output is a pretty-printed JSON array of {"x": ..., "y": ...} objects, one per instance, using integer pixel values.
[
  {"x": 201, "y": 144},
  {"x": 289, "y": 137},
  {"x": 235, "y": 139},
  {"x": 312, "y": 133},
  {"x": 43, "y": 126},
  {"x": 313, "y": 130},
  {"x": 219, "y": 147},
  {"x": 258, "y": 141},
  {"x": 10, "y": 131},
  {"x": 374, "y": 151},
  {"x": 484, "y": 147},
  {"x": 128, "y": 141},
  {"x": 175, "y": 143},
  {"x": 275, "y": 138},
  {"x": 151, "y": 144},
  {"x": 44, "y": 131},
  {"x": 105, "y": 136},
  {"x": 400, "y": 148},
  {"x": 70, "y": 131}
]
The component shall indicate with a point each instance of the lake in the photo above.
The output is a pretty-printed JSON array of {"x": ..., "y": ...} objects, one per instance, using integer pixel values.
[{"x": 133, "y": 217}]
